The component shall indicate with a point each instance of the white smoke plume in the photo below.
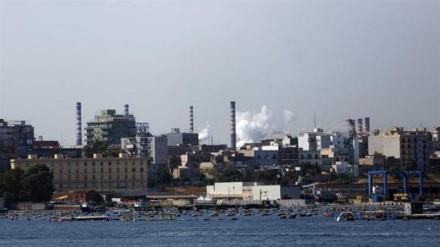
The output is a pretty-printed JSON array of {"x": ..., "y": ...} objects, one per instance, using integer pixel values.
[
  {"x": 252, "y": 127},
  {"x": 288, "y": 116},
  {"x": 204, "y": 133}
]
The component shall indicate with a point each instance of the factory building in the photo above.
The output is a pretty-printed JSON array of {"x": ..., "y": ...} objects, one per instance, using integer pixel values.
[{"x": 177, "y": 138}]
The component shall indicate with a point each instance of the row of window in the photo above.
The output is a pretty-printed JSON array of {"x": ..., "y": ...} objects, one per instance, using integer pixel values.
[
  {"x": 94, "y": 177},
  {"x": 99, "y": 185},
  {"x": 101, "y": 170}
]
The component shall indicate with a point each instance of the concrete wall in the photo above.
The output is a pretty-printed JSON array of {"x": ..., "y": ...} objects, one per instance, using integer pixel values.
[
  {"x": 388, "y": 145},
  {"x": 266, "y": 192}
]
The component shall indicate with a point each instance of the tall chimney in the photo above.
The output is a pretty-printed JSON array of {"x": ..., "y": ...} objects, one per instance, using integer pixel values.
[
  {"x": 191, "y": 120},
  {"x": 233, "y": 133},
  {"x": 359, "y": 125},
  {"x": 367, "y": 125},
  {"x": 126, "y": 111},
  {"x": 78, "y": 124}
]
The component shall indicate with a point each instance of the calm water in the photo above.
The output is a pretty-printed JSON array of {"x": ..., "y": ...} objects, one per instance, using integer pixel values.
[{"x": 246, "y": 231}]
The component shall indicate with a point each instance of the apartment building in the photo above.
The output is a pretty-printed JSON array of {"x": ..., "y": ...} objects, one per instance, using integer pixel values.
[
  {"x": 408, "y": 146},
  {"x": 125, "y": 175}
]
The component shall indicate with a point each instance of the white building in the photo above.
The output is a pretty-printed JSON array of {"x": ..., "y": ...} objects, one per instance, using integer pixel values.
[
  {"x": 313, "y": 141},
  {"x": 252, "y": 191},
  {"x": 158, "y": 149},
  {"x": 342, "y": 167}
]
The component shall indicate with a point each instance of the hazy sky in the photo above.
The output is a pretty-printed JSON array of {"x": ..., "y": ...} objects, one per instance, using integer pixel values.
[{"x": 281, "y": 61}]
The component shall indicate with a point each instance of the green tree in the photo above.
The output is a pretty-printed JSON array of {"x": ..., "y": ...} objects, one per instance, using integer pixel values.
[
  {"x": 231, "y": 174},
  {"x": 10, "y": 185},
  {"x": 100, "y": 147},
  {"x": 163, "y": 177},
  {"x": 37, "y": 184}
]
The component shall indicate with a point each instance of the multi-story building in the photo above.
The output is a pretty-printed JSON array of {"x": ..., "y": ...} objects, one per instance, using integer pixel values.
[
  {"x": 289, "y": 151},
  {"x": 146, "y": 145},
  {"x": 16, "y": 141},
  {"x": 408, "y": 146},
  {"x": 154, "y": 147},
  {"x": 314, "y": 141},
  {"x": 267, "y": 155},
  {"x": 110, "y": 127},
  {"x": 310, "y": 157},
  {"x": 177, "y": 138},
  {"x": 125, "y": 175},
  {"x": 288, "y": 155}
]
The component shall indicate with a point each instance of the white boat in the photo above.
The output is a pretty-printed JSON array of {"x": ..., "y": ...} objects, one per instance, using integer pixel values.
[
  {"x": 205, "y": 200},
  {"x": 141, "y": 205}
]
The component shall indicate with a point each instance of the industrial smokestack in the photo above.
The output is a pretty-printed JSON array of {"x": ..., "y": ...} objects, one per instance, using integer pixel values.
[
  {"x": 191, "y": 120},
  {"x": 359, "y": 126},
  {"x": 351, "y": 125},
  {"x": 126, "y": 110},
  {"x": 367, "y": 125},
  {"x": 233, "y": 132},
  {"x": 78, "y": 124}
]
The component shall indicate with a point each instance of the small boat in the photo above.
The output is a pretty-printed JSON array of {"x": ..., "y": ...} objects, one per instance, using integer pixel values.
[
  {"x": 328, "y": 214},
  {"x": 292, "y": 216},
  {"x": 345, "y": 216},
  {"x": 205, "y": 200},
  {"x": 86, "y": 208}
]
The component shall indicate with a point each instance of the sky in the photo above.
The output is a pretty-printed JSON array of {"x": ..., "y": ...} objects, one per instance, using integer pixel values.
[{"x": 282, "y": 62}]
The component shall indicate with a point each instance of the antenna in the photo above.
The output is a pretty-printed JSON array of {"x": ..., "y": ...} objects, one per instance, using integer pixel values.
[{"x": 314, "y": 121}]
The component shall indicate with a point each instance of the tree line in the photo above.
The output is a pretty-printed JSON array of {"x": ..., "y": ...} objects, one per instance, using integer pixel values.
[{"x": 33, "y": 185}]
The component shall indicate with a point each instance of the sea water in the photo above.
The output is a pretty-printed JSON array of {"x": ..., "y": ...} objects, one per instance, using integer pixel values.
[{"x": 267, "y": 231}]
